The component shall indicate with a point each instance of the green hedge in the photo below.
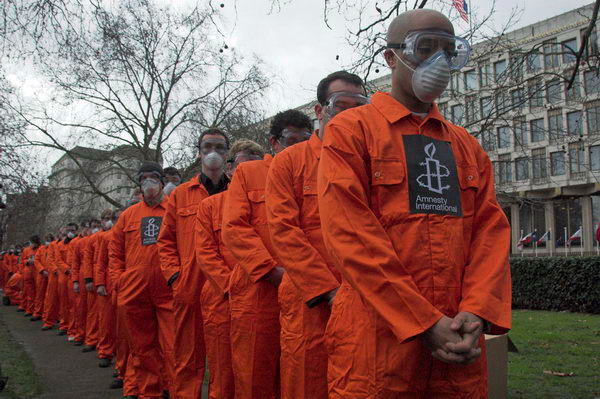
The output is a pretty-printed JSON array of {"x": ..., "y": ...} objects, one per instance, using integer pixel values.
[{"x": 557, "y": 283}]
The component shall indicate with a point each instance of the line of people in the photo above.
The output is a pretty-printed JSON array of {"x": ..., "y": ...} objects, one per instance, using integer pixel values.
[{"x": 364, "y": 260}]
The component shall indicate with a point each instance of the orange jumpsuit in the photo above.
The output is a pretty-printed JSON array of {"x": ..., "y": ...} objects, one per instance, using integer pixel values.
[
  {"x": 41, "y": 281},
  {"x": 216, "y": 263},
  {"x": 14, "y": 285},
  {"x": 29, "y": 274},
  {"x": 65, "y": 288},
  {"x": 176, "y": 248},
  {"x": 295, "y": 230},
  {"x": 410, "y": 217},
  {"x": 144, "y": 296},
  {"x": 87, "y": 272},
  {"x": 80, "y": 299},
  {"x": 252, "y": 299},
  {"x": 51, "y": 301},
  {"x": 106, "y": 311}
]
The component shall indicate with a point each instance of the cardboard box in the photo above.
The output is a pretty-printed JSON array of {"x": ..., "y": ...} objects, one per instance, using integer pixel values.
[{"x": 497, "y": 360}]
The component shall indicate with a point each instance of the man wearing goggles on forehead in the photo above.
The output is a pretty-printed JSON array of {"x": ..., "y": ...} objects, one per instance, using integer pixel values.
[
  {"x": 256, "y": 277},
  {"x": 311, "y": 280},
  {"x": 176, "y": 249},
  {"x": 408, "y": 212}
]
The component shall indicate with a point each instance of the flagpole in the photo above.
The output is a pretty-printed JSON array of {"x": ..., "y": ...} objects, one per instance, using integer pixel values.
[
  {"x": 581, "y": 239},
  {"x": 470, "y": 23},
  {"x": 550, "y": 244},
  {"x": 566, "y": 238}
]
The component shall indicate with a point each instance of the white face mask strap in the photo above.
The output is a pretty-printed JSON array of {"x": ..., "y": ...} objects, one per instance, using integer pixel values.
[{"x": 402, "y": 61}]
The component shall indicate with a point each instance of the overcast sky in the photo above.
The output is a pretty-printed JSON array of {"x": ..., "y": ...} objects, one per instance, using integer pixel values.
[{"x": 300, "y": 49}]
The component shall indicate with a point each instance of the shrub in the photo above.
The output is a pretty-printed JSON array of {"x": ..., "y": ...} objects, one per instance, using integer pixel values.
[{"x": 557, "y": 283}]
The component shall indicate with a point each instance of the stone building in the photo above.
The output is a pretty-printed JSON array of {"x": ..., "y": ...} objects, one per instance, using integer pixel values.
[{"x": 543, "y": 139}]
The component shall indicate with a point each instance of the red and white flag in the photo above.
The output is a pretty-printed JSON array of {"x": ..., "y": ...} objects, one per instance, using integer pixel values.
[
  {"x": 463, "y": 8},
  {"x": 575, "y": 238}
]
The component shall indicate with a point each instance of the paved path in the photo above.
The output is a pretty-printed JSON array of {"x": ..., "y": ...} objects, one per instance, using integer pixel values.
[{"x": 66, "y": 372}]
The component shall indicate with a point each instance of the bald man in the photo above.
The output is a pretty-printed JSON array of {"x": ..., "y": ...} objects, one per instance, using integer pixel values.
[{"x": 410, "y": 217}]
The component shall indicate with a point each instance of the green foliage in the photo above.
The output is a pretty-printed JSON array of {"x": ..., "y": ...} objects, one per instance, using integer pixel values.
[{"x": 557, "y": 283}]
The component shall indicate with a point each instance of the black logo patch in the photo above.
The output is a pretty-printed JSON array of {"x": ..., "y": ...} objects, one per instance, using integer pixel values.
[
  {"x": 432, "y": 176},
  {"x": 150, "y": 229}
]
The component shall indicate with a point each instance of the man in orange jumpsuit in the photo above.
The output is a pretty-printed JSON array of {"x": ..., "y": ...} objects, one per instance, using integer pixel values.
[
  {"x": 310, "y": 281},
  {"x": 410, "y": 217},
  {"x": 106, "y": 313},
  {"x": 176, "y": 248},
  {"x": 143, "y": 293},
  {"x": 12, "y": 288},
  {"x": 256, "y": 278},
  {"x": 29, "y": 275},
  {"x": 65, "y": 292},
  {"x": 217, "y": 263},
  {"x": 87, "y": 272},
  {"x": 51, "y": 301},
  {"x": 42, "y": 278},
  {"x": 80, "y": 298}
]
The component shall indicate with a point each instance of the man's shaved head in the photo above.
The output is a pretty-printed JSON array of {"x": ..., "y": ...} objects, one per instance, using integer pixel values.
[{"x": 419, "y": 19}]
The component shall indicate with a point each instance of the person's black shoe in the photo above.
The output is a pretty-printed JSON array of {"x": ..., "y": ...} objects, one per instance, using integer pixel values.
[
  {"x": 117, "y": 383},
  {"x": 46, "y": 328},
  {"x": 20, "y": 310},
  {"x": 104, "y": 363},
  {"x": 61, "y": 332},
  {"x": 27, "y": 315},
  {"x": 166, "y": 394},
  {"x": 130, "y": 397},
  {"x": 77, "y": 343},
  {"x": 36, "y": 318},
  {"x": 88, "y": 348},
  {"x": 116, "y": 373},
  {"x": 6, "y": 301}
]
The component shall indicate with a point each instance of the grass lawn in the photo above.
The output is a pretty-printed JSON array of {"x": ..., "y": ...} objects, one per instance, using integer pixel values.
[
  {"x": 23, "y": 383},
  {"x": 559, "y": 342}
]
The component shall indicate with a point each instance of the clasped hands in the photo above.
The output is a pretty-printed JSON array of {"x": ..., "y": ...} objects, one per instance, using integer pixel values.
[{"x": 455, "y": 340}]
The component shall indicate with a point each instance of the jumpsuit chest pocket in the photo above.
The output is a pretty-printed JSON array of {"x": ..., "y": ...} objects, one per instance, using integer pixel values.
[
  {"x": 468, "y": 178},
  {"x": 258, "y": 211},
  {"x": 309, "y": 214},
  {"x": 131, "y": 231},
  {"x": 388, "y": 186},
  {"x": 186, "y": 218}
]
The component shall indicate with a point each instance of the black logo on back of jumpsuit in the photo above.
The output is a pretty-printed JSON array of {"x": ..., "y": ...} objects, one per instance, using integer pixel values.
[
  {"x": 432, "y": 176},
  {"x": 150, "y": 229}
]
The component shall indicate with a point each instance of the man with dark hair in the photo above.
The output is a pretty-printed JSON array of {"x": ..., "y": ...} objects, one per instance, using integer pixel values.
[
  {"x": 65, "y": 292},
  {"x": 41, "y": 270},
  {"x": 410, "y": 217},
  {"x": 176, "y": 249},
  {"x": 173, "y": 177},
  {"x": 143, "y": 294},
  {"x": 52, "y": 300},
  {"x": 257, "y": 275},
  {"x": 311, "y": 280},
  {"x": 29, "y": 275}
]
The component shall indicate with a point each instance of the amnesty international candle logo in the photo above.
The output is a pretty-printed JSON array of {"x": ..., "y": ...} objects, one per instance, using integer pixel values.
[
  {"x": 432, "y": 176},
  {"x": 150, "y": 228}
]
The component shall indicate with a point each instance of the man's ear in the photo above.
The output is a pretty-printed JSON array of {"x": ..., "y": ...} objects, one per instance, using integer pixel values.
[
  {"x": 390, "y": 58},
  {"x": 319, "y": 111}
]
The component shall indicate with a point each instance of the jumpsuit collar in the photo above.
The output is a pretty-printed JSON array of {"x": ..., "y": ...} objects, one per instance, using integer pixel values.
[
  {"x": 213, "y": 188},
  {"x": 315, "y": 144}
]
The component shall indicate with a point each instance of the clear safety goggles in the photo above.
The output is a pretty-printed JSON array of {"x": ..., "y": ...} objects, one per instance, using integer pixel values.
[
  {"x": 419, "y": 46},
  {"x": 209, "y": 145},
  {"x": 290, "y": 137},
  {"x": 342, "y": 100}
]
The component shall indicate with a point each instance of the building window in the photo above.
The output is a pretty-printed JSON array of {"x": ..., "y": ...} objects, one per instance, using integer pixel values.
[
  {"x": 567, "y": 219},
  {"x": 557, "y": 163},
  {"x": 522, "y": 168},
  {"x": 488, "y": 140},
  {"x": 503, "y": 137},
  {"x": 520, "y": 128},
  {"x": 569, "y": 49},
  {"x": 455, "y": 83},
  {"x": 502, "y": 102},
  {"x": 576, "y": 158},
  {"x": 551, "y": 54},
  {"x": 486, "y": 107},
  {"x": 595, "y": 157},
  {"x": 471, "y": 80},
  {"x": 518, "y": 99},
  {"x": 592, "y": 81},
  {"x": 517, "y": 65},
  {"x": 553, "y": 90},
  {"x": 555, "y": 125},
  {"x": 503, "y": 169},
  {"x": 471, "y": 109},
  {"x": 535, "y": 89},
  {"x": 532, "y": 217},
  {"x": 485, "y": 74},
  {"x": 574, "y": 93},
  {"x": 592, "y": 113},
  {"x": 499, "y": 70},
  {"x": 534, "y": 61},
  {"x": 574, "y": 123},
  {"x": 538, "y": 163},
  {"x": 443, "y": 108},
  {"x": 537, "y": 130},
  {"x": 457, "y": 114},
  {"x": 592, "y": 44}
]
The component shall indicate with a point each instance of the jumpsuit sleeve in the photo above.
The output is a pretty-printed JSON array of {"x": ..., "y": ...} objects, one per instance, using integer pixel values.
[
  {"x": 75, "y": 260},
  {"x": 170, "y": 263},
  {"x": 359, "y": 244},
  {"x": 61, "y": 263},
  {"x": 50, "y": 259},
  {"x": 88, "y": 258},
  {"x": 486, "y": 287},
  {"x": 116, "y": 252},
  {"x": 239, "y": 235},
  {"x": 305, "y": 266},
  {"x": 101, "y": 261},
  {"x": 40, "y": 259},
  {"x": 208, "y": 256}
]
